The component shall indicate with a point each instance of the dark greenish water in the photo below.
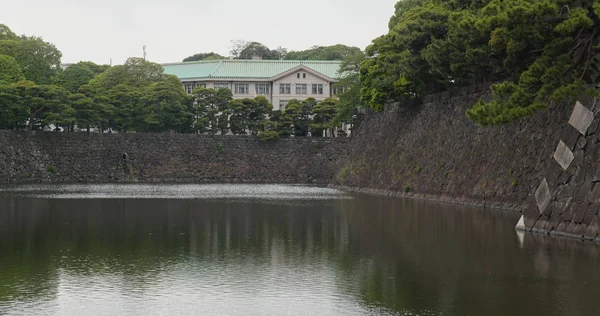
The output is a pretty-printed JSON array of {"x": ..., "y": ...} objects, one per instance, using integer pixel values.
[{"x": 277, "y": 250}]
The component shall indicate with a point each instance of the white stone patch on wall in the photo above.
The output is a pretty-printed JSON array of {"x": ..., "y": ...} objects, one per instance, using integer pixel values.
[
  {"x": 563, "y": 155},
  {"x": 581, "y": 118},
  {"x": 521, "y": 224},
  {"x": 542, "y": 196}
]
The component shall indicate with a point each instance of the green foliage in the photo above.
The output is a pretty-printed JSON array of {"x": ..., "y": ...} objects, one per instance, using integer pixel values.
[
  {"x": 406, "y": 189},
  {"x": 324, "y": 114},
  {"x": 540, "y": 52},
  {"x": 39, "y": 60},
  {"x": 342, "y": 174},
  {"x": 418, "y": 170},
  {"x": 349, "y": 100},
  {"x": 255, "y": 49},
  {"x": 220, "y": 148},
  {"x": 268, "y": 136},
  {"x": 514, "y": 183},
  {"x": 51, "y": 169},
  {"x": 10, "y": 71},
  {"x": 335, "y": 52},
  {"x": 79, "y": 74},
  {"x": 208, "y": 106},
  {"x": 6, "y": 33},
  {"x": 204, "y": 56}
]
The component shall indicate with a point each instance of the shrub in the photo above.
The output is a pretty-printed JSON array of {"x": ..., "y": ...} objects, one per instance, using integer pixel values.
[
  {"x": 220, "y": 148},
  {"x": 51, "y": 169},
  {"x": 268, "y": 136}
]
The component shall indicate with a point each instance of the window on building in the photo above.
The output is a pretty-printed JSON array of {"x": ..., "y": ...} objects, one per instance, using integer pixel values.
[
  {"x": 285, "y": 88},
  {"x": 263, "y": 88},
  {"x": 304, "y": 75},
  {"x": 282, "y": 104},
  {"x": 188, "y": 87},
  {"x": 298, "y": 75},
  {"x": 338, "y": 90},
  {"x": 317, "y": 89},
  {"x": 221, "y": 86},
  {"x": 301, "y": 89},
  {"x": 196, "y": 85},
  {"x": 241, "y": 88}
]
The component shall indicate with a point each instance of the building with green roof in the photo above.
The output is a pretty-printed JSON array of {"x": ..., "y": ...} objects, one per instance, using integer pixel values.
[{"x": 277, "y": 80}]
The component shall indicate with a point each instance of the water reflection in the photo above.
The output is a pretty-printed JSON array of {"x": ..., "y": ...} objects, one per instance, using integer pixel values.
[{"x": 365, "y": 255}]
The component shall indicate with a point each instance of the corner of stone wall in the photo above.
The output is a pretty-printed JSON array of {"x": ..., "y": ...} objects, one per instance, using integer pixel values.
[{"x": 567, "y": 201}]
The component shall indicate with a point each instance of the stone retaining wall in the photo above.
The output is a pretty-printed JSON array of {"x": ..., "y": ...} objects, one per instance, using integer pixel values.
[
  {"x": 567, "y": 200},
  {"x": 52, "y": 157},
  {"x": 431, "y": 150}
]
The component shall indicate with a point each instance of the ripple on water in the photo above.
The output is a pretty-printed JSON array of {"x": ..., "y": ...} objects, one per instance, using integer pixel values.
[{"x": 174, "y": 191}]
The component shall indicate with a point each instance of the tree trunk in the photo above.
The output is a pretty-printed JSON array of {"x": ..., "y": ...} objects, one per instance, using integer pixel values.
[{"x": 32, "y": 116}]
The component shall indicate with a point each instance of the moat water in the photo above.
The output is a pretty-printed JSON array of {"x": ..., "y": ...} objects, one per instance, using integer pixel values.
[{"x": 277, "y": 250}]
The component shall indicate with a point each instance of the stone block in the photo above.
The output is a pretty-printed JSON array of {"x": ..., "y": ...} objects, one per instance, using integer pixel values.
[
  {"x": 590, "y": 213},
  {"x": 540, "y": 225},
  {"x": 552, "y": 223},
  {"x": 581, "y": 174},
  {"x": 570, "y": 136},
  {"x": 596, "y": 175},
  {"x": 584, "y": 191},
  {"x": 580, "y": 212},
  {"x": 531, "y": 215},
  {"x": 594, "y": 126},
  {"x": 543, "y": 196},
  {"x": 521, "y": 223},
  {"x": 580, "y": 230},
  {"x": 570, "y": 212},
  {"x": 581, "y": 118},
  {"x": 571, "y": 228},
  {"x": 581, "y": 142},
  {"x": 562, "y": 226},
  {"x": 563, "y": 155},
  {"x": 594, "y": 196},
  {"x": 553, "y": 175}
]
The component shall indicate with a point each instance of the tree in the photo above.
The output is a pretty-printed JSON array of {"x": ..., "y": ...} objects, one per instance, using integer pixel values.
[
  {"x": 237, "y": 46},
  {"x": 12, "y": 112},
  {"x": 334, "y": 52},
  {"x": 39, "y": 60},
  {"x": 10, "y": 71},
  {"x": 165, "y": 105},
  {"x": 76, "y": 75},
  {"x": 59, "y": 110},
  {"x": 299, "y": 114},
  {"x": 6, "y": 33},
  {"x": 349, "y": 84},
  {"x": 258, "y": 109},
  {"x": 281, "y": 123},
  {"x": 324, "y": 114},
  {"x": 204, "y": 56},
  {"x": 237, "y": 112},
  {"x": 209, "y": 105},
  {"x": 255, "y": 49},
  {"x": 541, "y": 52},
  {"x": 136, "y": 72},
  {"x": 36, "y": 101}
]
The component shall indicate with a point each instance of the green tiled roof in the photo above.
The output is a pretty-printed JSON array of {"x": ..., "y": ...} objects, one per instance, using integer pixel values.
[{"x": 246, "y": 69}]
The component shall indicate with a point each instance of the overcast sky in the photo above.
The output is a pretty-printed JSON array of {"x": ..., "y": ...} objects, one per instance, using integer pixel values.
[{"x": 98, "y": 30}]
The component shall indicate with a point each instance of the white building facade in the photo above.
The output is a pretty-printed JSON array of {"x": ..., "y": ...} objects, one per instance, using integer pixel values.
[{"x": 278, "y": 80}]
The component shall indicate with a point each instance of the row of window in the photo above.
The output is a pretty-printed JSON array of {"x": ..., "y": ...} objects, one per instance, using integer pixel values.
[
  {"x": 286, "y": 88},
  {"x": 264, "y": 88}
]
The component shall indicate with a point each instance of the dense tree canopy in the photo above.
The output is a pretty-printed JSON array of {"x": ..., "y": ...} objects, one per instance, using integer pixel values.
[
  {"x": 76, "y": 75},
  {"x": 204, "y": 56},
  {"x": 39, "y": 60},
  {"x": 136, "y": 96},
  {"x": 335, "y": 52},
  {"x": 540, "y": 51},
  {"x": 10, "y": 71}
]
